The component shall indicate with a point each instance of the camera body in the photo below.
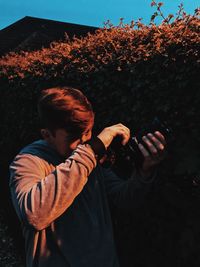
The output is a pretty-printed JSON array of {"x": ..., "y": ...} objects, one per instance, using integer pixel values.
[{"x": 131, "y": 151}]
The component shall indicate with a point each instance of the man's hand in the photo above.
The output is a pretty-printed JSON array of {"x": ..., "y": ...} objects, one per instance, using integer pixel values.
[
  {"x": 109, "y": 133},
  {"x": 155, "y": 151}
]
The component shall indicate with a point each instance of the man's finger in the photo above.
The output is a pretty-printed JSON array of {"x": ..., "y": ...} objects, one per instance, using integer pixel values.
[
  {"x": 150, "y": 146},
  {"x": 157, "y": 143},
  {"x": 144, "y": 151},
  {"x": 160, "y": 137}
]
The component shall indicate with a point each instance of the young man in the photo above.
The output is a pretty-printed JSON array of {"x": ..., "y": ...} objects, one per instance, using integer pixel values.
[{"x": 60, "y": 192}]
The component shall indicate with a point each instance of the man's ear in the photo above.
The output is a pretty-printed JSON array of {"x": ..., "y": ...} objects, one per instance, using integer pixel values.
[{"x": 45, "y": 134}]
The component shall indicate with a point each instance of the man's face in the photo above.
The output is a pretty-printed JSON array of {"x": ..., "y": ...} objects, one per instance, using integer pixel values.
[{"x": 65, "y": 144}]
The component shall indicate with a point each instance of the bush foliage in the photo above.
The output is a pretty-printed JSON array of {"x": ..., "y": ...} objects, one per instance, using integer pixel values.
[{"x": 131, "y": 73}]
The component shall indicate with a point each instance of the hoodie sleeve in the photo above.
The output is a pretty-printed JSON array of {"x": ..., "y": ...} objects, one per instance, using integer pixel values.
[
  {"x": 126, "y": 195},
  {"x": 41, "y": 195}
]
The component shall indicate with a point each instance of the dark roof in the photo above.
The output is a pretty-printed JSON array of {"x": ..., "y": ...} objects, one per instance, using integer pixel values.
[{"x": 31, "y": 33}]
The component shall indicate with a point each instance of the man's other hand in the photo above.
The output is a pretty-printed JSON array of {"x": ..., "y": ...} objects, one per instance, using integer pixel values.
[{"x": 153, "y": 151}]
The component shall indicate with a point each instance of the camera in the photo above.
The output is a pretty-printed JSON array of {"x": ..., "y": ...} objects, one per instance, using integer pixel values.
[{"x": 131, "y": 152}]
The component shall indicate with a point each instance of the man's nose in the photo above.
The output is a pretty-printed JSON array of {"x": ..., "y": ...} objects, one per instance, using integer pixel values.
[{"x": 86, "y": 138}]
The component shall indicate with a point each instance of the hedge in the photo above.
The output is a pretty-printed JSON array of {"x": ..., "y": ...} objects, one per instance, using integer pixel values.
[{"x": 130, "y": 73}]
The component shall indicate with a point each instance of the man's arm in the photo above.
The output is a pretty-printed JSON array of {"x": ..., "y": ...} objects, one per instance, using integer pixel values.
[
  {"x": 126, "y": 195},
  {"x": 38, "y": 198}
]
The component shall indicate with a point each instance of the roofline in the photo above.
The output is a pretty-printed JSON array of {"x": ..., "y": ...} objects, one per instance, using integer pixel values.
[{"x": 57, "y": 21}]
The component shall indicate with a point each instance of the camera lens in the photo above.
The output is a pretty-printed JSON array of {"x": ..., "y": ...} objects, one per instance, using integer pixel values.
[{"x": 131, "y": 151}]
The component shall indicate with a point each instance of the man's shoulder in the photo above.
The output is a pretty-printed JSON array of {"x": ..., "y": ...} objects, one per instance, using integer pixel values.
[
  {"x": 34, "y": 148},
  {"x": 42, "y": 150}
]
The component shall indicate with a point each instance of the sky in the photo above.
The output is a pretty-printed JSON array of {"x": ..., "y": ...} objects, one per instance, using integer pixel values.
[{"x": 87, "y": 12}]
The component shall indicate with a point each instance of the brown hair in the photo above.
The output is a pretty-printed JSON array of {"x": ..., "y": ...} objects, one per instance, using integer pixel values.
[{"x": 64, "y": 107}]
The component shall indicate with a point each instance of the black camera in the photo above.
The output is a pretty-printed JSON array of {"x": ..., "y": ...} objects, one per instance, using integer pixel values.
[{"x": 131, "y": 151}]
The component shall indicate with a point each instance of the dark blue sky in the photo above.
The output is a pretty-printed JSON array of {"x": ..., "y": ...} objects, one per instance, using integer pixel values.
[{"x": 87, "y": 12}]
